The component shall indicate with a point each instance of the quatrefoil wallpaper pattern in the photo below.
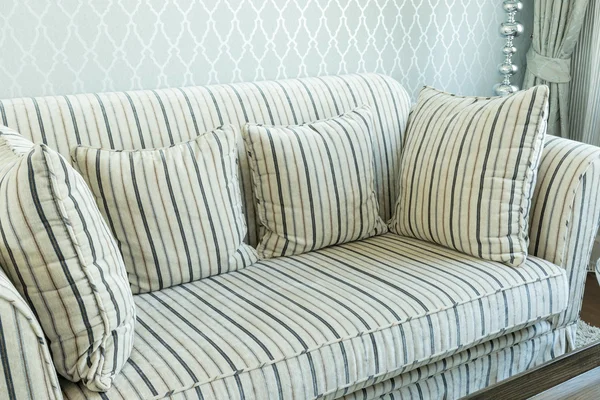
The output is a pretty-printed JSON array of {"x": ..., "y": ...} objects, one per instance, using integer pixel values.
[{"x": 71, "y": 46}]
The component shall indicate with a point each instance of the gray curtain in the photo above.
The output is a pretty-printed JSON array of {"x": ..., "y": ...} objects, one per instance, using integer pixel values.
[
  {"x": 556, "y": 26},
  {"x": 584, "y": 115}
]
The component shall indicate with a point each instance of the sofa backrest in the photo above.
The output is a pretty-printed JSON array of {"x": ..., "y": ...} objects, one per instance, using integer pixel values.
[{"x": 157, "y": 118}]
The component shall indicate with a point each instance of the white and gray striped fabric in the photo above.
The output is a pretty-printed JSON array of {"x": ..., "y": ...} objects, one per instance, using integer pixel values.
[
  {"x": 157, "y": 118},
  {"x": 60, "y": 255},
  {"x": 474, "y": 369},
  {"x": 12, "y": 145},
  {"x": 565, "y": 214},
  {"x": 314, "y": 183},
  {"x": 468, "y": 171},
  {"x": 26, "y": 367},
  {"x": 569, "y": 177},
  {"x": 325, "y": 322},
  {"x": 176, "y": 212}
]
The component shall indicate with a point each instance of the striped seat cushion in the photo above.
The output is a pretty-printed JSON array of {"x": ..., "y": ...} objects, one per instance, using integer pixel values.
[
  {"x": 313, "y": 324},
  {"x": 60, "y": 255},
  {"x": 176, "y": 212},
  {"x": 468, "y": 171},
  {"x": 314, "y": 183}
]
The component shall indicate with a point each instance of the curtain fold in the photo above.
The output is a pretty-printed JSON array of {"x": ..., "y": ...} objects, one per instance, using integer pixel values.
[
  {"x": 585, "y": 86},
  {"x": 556, "y": 28}
]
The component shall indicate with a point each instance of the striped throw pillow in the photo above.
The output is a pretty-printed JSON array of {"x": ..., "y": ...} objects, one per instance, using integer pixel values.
[
  {"x": 12, "y": 144},
  {"x": 468, "y": 171},
  {"x": 314, "y": 183},
  {"x": 60, "y": 255},
  {"x": 176, "y": 211}
]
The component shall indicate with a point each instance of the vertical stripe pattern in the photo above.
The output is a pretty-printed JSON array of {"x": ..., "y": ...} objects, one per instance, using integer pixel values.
[
  {"x": 176, "y": 212},
  {"x": 26, "y": 368},
  {"x": 215, "y": 330},
  {"x": 156, "y": 118},
  {"x": 565, "y": 214},
  {"x": 314, "y": 183},
  {"x": 584, "y": 93},
  {"x": 327, "y": 322},
  {"x": 468, "y": 170},
  {"x": 473, "y": 369},
  {"x": 59, "y": 253}
]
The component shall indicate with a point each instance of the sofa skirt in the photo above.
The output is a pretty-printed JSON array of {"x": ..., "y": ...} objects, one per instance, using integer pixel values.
[{"x": 473, "y": 369}]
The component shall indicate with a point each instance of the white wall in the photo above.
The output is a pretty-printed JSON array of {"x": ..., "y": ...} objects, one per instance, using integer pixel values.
[{"x": 70, "y": 46}]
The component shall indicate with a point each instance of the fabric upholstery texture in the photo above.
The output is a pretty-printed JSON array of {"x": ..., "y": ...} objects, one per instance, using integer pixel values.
[
  {"x": 565, "y": 215},
  {"x": 319, "y": 322},
  {"x": 473, "y": 369},
  {"x": 468, "y": 171},
  {"x": 584, "y": 94},
  {"x": 176, "y": 212},
  {"x": 26, "y": 367},
  {"x": 567, "y": 185},
  {"x": 12, "y": 145},
  {"x": 314, "y": 183},
  {"x": 157, "y": 118},
  {"x": 60, "y": 255},
  {"x": 556, "y": 29}
]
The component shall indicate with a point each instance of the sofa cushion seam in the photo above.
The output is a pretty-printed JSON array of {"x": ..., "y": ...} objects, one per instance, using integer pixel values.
[{"x": 362, "y": 333}]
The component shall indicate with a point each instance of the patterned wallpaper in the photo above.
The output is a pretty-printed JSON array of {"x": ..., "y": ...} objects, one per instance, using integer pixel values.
[{"x": 72, "y": 46}]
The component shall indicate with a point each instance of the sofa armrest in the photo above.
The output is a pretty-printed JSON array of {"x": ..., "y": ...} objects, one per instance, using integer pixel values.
[
  {"x": 26, "y": 368},
  {"x": 565, "y": 213}
]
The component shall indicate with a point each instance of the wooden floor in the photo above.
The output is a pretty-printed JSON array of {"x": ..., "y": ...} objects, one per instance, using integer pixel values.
[
  {"x": 590, "y": 311},
  {"x": 583, "y": 387}
]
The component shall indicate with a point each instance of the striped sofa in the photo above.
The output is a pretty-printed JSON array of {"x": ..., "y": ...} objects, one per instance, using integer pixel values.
[{"x": 389, "y": 316}]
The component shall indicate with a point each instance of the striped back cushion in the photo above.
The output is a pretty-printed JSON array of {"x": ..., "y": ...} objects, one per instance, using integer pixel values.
[
  {"x": 176, "y": 212},
  {"x": 468, "y": 172},
  {"x": 314, "y": 183},
  {"x": 156, "y": 118},
  {"x": 60, "y": 255}
]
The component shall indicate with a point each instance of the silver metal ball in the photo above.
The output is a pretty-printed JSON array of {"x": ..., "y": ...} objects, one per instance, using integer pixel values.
[
  {"x": 512, "y": 5},
  {"x": 509, "y": 50},
  {"x": 511, "y": 28},
  {"x": 508, "y": 69},
  {"x": 502, "y": 89}
]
